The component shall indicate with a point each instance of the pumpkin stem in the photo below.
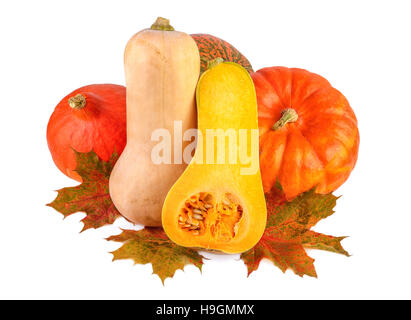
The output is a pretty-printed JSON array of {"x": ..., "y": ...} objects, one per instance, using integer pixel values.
[
  {"x": 162, "y": 24},
  {"x": 77, "y": 102},
  {"x": 287, "y": 115},
  {"x": 214, "y": 62}
]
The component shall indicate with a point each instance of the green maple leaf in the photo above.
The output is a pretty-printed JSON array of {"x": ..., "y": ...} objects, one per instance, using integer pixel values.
[
  {"x": 151, "y": 245},
  {"x": 288, "y": 233},
  {"x": 92, "y": 195}
]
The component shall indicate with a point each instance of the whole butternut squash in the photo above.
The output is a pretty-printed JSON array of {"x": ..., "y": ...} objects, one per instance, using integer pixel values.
[{"x": 162, "y": 67}]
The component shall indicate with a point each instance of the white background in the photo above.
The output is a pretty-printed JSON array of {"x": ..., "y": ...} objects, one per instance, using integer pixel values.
[{"x": 49, "y": 48}]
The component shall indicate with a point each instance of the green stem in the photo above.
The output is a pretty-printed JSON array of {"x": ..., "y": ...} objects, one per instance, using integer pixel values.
[
  {"x": 214, "y": 62},
  {"x": 162, "y": 24},
  {"x": 287, "y": 116}
]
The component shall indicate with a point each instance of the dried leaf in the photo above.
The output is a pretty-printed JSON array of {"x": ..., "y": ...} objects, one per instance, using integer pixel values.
[
  {"x": 288, "y": 232},
  {"x": 284, "y": 241},
  {"x": 151, "y": 245},
  {"x": 91, "y": 196},
  {"x": 315, "y": 240}
]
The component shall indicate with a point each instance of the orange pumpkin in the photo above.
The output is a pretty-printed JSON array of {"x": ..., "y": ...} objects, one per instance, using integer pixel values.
[
  {"x": 308, "y": 131},
  {"x": 90, "y": 118}
]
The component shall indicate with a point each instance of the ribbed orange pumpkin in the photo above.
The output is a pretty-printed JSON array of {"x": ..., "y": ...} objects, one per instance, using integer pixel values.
[
  {"x": 308, "y": 131},
  {"x": 90, "y": 118}
]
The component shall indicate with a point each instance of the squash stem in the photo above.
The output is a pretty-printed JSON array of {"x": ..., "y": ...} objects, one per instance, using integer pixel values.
[
  {"x": 287, "y": 115},
  {"x": 214, "y": 62},
  {"x": 162, "y": 24},
  {"x": 77, "y": 102}
]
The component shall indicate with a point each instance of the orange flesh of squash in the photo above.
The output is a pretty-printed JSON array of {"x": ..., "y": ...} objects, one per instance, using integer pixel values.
[{"x": 215, "y": 205}]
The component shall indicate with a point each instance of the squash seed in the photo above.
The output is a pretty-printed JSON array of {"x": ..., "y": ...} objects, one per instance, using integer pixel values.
[
  {"x": 198, "y": 216},
  {"x": 208, "y": 198},
  {"x": 235, "y": 228}
]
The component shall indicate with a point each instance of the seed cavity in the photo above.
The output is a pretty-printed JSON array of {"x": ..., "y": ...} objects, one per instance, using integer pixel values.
[{"x": 201, "y": 214}]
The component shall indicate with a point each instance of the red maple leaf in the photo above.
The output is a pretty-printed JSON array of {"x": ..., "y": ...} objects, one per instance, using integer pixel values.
[
  {"x": 92, "y": 195},
  {"x": 288, "y": 233}
]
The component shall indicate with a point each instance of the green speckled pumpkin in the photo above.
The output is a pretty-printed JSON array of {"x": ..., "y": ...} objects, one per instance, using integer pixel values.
[{"x": 211, "y": 47}]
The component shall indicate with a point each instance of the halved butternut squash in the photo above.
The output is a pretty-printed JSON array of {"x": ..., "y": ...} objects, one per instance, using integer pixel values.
[{"x": 218, "y": 202}]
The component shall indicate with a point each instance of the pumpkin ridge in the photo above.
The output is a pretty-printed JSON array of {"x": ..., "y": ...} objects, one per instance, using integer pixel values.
[
  {"x": 274, "y": 85},
  {"x": 280, "y": 169},
  {"x": 304, "y": 153},
  {"x": 313, "y": 148},
  {"x": 265, "y": 139},
  {"x": 291, "y": 93},
  {"x": 335, "y": 137},
  {"x": 276, "y": 92},
  {"x": 316, "y": 153},
  {"x": 310, "y": 95}
]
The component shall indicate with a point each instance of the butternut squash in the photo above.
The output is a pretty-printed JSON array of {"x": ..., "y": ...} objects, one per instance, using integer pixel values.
[
  {"x": 218, "y": 203},
  {"x": 162, "y": 67}
]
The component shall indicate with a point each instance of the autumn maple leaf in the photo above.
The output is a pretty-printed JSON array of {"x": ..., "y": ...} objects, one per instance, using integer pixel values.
[
  {"x": 92, "y": 195},
  {"x": 284, "y": 241},
  {"x": 151, "y": 245},
  {"x": 288, "y": 232}
]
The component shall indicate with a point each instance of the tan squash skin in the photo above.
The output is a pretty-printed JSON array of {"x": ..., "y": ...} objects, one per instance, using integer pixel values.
[{"x": 162, "y": 69}]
